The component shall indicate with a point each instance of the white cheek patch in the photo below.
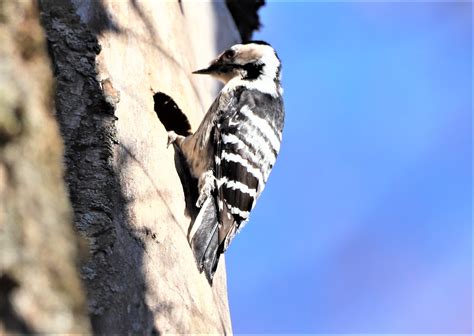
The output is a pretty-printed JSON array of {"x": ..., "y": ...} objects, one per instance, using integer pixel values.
[
  {"x": 270, "y": 75},
  {"x": 263, "y": 85}
]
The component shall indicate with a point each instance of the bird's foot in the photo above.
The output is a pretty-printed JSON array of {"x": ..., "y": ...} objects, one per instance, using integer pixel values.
[{"x": 172, "y": 137}]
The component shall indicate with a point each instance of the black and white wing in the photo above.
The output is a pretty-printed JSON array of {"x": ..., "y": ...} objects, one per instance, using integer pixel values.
[{"x": 247, "y": 141}]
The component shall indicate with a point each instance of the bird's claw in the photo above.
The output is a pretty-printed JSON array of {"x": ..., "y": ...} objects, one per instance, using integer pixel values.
[{"x": 172, "y": 136}]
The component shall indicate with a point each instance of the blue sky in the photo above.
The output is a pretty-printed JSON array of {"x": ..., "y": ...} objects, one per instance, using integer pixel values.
[{"x": 365, "y": 224}]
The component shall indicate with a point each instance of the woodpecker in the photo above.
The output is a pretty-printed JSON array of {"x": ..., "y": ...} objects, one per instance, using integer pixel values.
[{"x": 235, "y": 147}]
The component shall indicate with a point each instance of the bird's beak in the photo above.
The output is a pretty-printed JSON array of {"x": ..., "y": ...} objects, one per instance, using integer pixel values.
[
  {"x": 212, "y": 68},
  {"x": 202, "y": 72}
]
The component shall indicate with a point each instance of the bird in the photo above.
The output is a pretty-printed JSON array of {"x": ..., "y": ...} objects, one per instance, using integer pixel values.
[{"x": 234, "y": 148}]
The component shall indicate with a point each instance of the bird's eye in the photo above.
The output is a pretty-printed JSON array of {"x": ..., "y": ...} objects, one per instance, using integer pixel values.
[{"x": 229, "y": 54}]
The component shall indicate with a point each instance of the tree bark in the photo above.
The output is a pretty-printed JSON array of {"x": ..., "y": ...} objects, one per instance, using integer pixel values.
[
  {"x": 40, "y": 288},
  {"x": 109, "y": 60},
  {"x": 118, "y": 76}
]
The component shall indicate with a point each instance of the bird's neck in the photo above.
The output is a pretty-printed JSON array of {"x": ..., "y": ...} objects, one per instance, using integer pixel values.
[{"x": 263, "y": 83}]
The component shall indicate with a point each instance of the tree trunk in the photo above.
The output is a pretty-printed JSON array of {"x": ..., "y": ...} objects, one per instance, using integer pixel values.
[
  {"x": 122, "y": 78},
  {"x": 110, "y": 58},
  {"x": 40, "y": 289}
]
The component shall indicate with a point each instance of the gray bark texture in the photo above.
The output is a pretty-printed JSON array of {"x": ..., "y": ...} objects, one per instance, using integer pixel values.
[
  {"x": 40, "y": 288},
  {"x": 120, "y": 77},
  {"x": 127, "y": 199}
]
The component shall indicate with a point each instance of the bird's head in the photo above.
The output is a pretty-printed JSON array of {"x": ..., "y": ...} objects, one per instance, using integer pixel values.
[{"x": 250, "y": 61}]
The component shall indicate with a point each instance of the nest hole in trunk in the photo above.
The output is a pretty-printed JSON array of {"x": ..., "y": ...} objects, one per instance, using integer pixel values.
[
  {"x": 173, "y": 119},
  {"x": 170, "y": 115}
]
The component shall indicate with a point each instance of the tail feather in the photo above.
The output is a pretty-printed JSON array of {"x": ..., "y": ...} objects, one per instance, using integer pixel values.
[{"x": 204, "y": 239}]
